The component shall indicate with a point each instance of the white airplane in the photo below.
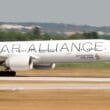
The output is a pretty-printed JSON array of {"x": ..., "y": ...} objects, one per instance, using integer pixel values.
[{"x": 26, "y": 55}]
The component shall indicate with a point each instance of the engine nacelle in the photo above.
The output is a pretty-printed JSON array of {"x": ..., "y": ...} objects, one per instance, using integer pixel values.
[
  {"x": 19, "y": 63},
  {"x": 44, "y": 66}
]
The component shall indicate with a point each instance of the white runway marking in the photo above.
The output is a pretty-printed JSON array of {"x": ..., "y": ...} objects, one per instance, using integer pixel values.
[
  {"x": 70, "y": 86},
  {"x": 66, "y": 79}
]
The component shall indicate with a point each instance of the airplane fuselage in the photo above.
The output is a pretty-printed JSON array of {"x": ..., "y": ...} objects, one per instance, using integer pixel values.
[{"x": 59, "y": 51}]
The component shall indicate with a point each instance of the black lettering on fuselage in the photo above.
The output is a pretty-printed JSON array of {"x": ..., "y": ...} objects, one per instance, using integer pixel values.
[
  {"x": 64, "y": 47},
  {"x": 16, "y": 48},
  {"x": 52, "y": 49},
  {"x": 87, "y": 46},
  {"x": 5, "y": 49},
  {"x": 32, "y": 48},
  {"x": 42, "y": 49},
  {"x": 98, "y": 46},
  {"x": 76, "y": 47}
]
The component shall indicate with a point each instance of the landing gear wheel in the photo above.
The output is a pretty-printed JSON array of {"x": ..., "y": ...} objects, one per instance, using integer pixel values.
[{"x": 7, "y": 73}]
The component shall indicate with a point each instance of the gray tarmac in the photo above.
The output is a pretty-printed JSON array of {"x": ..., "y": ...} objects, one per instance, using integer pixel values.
[
  {"x": 64, "y": 79},
  {"x": 68, "y": 86},
  {"x": 53, "y": 83}
]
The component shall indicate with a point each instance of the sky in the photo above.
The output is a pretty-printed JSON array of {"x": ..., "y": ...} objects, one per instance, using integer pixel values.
[{"x": 81, "y": 12}]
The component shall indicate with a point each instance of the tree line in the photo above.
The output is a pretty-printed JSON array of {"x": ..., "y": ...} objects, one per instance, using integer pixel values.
[{"x": 35, "y": 34}]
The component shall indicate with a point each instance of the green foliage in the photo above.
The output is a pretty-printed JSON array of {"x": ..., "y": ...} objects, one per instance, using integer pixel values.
[
  {"x": 105, "y": 37},
  {"x": 90, "y": 35},
  {"x": 76, "y": 36},
  {"x": 86, "y": 35},
  {"x": 90, "y": 65},
  {"x": 16, "y": 36},
  {"x": 47, "y": 36},
  {"x": 36, "y": 35}
]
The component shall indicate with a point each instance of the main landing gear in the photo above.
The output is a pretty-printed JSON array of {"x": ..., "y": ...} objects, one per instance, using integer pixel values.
[{"x": 7, "y": 73}]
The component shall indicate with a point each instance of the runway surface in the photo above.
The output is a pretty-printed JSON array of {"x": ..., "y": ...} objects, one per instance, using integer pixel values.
[
  {"x": 70, "y": 86},
  {"x": 53, "y": 83},
  {"x": 66, "y": 79}
]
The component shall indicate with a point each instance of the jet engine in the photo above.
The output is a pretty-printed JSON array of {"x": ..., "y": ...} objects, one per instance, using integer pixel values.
[{"x": 19, "y": 63}]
